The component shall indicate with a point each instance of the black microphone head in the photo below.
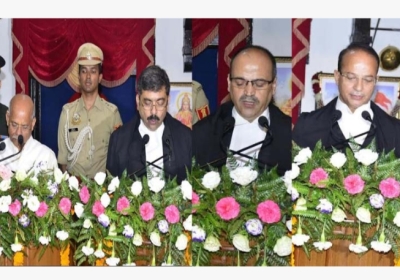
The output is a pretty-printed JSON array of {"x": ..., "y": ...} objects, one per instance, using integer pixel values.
[
  {"x": 263, "y": 122},
  {"x": 145, "y": 139},
  {"x": 366, "y": 116},
  {"x": 20, "y": 140},
  {"x": 2, "y": 146},
  {"x": 336, "y": 116}
]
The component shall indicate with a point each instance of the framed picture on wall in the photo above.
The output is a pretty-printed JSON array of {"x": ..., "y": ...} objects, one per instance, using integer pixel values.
[
  {"x": 180, "y": 102},
  {"x": 283, "y": 95},
  {"x": 385, "y": 95}
]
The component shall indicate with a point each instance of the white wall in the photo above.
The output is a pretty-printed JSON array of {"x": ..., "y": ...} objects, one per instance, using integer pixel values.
[
  {"x": 7, "y": 89},
  {"x": 275, "y": 34}
]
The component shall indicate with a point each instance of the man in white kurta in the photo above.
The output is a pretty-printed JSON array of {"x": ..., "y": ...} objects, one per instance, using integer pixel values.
[{"x": 34, "y": 157}]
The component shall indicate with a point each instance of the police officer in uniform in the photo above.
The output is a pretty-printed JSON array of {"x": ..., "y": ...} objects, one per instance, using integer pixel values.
[
  {"x": 3, "y": 109},
  {"x": 200, "y": 102},
  {"x": 86, "y": 124}
]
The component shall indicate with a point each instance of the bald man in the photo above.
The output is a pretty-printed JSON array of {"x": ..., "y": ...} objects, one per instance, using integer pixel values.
[{"x": 22, "y": 152}]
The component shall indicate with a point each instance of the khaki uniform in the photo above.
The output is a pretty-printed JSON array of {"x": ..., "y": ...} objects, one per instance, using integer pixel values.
[
  {"x": 200, "y": 106},
  {"x": 90, "y": 128}
]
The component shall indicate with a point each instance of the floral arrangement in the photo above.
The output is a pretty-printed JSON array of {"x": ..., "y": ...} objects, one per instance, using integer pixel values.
[
  {"x": 106, "y": 220},
  {"x": 357, "y": 189},
  {"x": 241, "y": 215}
]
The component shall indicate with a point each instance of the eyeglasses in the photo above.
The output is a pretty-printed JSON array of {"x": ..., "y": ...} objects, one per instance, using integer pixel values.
[
  {"x": 24, "y": 127},
  {"x": 159, "y": 104},
  {"x": 353, "y": 78},
  {"x": 258, "y": 84}
]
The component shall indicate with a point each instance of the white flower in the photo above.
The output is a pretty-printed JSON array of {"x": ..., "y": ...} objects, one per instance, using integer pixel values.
[
  {"x": 62, "y": 235},
  {"x": 156, "y": 184},
  {"x": 293, "y": 173},
  {"x": 289, "y": 225},
  {"x": 212, "y": 244},
  {"x": 295, "y": 194},
  {"x": 379, "y": 246},
  {"x": 100, "y": 177},
  {"x": 33, "y": 203},
  {"x": 283, "y": 246},
  {"x": 299, "y": 239},
  {"x": 366, "y": 156},
  {"x": 181, "y": 242},
  {"x": 155, "y": 238},
  {"x": 112, "y": 261},
  {"x": 303, "y": 156},
  {"x": 44, "y": 240},
  {"x": 78, "y": 208},
  {"x": 5, "y": 185},
  {"x": 87, "y": 224},
  {"x": 34, "y": 181},
  {"x": 87, "y": 250},
  {"x": 363, "y": 215},
  {"x": 128, "y": 231},
  {"x": 137, "y": 239},
  {"x": 1, "y": 250},
  {"x": 112, "y": 231},
  {"x": 324, "y": 206},
  {"x": 357, "y": 248},
  {"x": 322, "y": 245},
  {"x": 5, "y": 202},
  {"x": 167, "y": 264},
  {"x": 198, "y": 234},
  {"x": 186, "y": 189},
  {"x": 20, "y": 175},
  {"x": 136, "y": 188},
  {"x": 187, "y": 224},
  {"x": 301, "y": 204},
  {"x": 16, "y": 247},
  {"x": 376, "y": 200},
  {"x": 243, "y": 175},
  {"x": 73, "y": 183},
  {"x": 254, "y": 226},
  {"x": 25, "y": 195},
  {"x": 104, "y": 220},
  {"x": 58, "y": 175},
  {"x": 114, "y": 184},
  {"x": 396, "y": 219},
  {"x": 99, "y": 254},
  {"x": 105, "y": 200},
  {"x": 163, "y": 226},
  {"x": 211, "y": 180},
  {"x": 338, "y": 159},
  {"x": 65, "y": 176},
  {"x": 338, "y": 215},
  {"x": 129, "y": 264},
  {"x": 241, "y": 242}
]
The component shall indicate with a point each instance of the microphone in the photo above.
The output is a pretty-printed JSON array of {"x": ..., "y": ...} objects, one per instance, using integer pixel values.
[
  {"x": 145, "y": 139},
  {"x": 263, "y": 122},
  {"x": 21, "y": 145},
  {"x": 2, "y": 146},
  {"x": 366, "y": 116}
]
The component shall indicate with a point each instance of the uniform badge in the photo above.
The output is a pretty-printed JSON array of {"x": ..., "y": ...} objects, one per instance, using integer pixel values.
[
  {"x": 202, "y": 112},
  {"x": 76, "y": 119}
]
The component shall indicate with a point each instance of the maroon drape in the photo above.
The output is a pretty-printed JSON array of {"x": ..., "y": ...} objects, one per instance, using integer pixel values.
[
  {"x": 232, "y": 34},
  {"x": 47, "y": 48},
  {"x": 301, "y": 28}
]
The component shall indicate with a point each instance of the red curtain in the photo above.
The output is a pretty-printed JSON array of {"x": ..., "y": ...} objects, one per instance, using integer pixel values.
[
  {"x": 47, "y": 48},
  {"x": 232, "y": 34},
  {"x": 300, "y": 50}
]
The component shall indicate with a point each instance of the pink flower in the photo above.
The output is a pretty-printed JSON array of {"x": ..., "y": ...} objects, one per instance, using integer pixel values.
[
  {"x": 42, "y": 209},
  {"x": 269, "y": 212},
  {"x": 353, "y": 184},
  {"x": 14, "y": 207},
  {"x": 389, "y": 188},
  {"x": 195, "y": 200},
  {"x": 5, "y": 172},
  {"x": 172, "y": 214},
  {"x": 227, "y": 208},
  {"x": 146, "y": 211},
  {"x": 122, "y": 204},
  {"x": 97, "y": 208},
  {"x": 65, "y": 205},
  {"x": 318, "y": 175},
  {"x": 84, "y": 194}
]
